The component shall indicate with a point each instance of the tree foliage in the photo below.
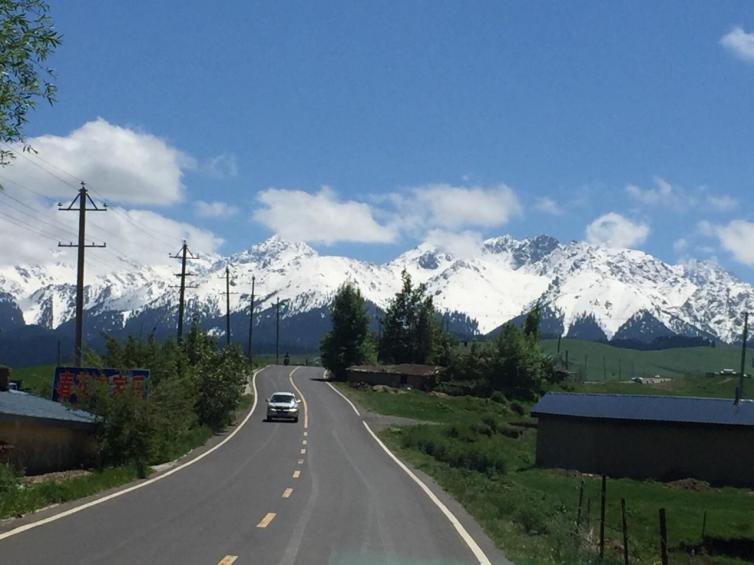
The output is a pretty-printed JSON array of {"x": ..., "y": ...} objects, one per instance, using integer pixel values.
[
  {"x": 349, "y": 341},
  {"x": 513, "y": 364},
  {"x": 409, "y": 329},
  {"x": 27, "y": 39},
  {"x": 194, "y": 386}
]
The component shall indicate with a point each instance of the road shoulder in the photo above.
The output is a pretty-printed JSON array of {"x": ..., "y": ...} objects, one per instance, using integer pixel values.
[{"x": 379, "y": 422}]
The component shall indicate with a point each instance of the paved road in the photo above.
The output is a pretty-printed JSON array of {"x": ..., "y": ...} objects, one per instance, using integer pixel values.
[{"x": 320, "y": 491}]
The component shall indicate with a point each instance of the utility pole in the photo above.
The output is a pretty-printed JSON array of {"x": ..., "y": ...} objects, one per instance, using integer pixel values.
[
  {"x": 227, "y": 304},
  {"x": 277, "y": 330},
  {"x": 743, "y": 356},
  {"x": 183, "y": 255},
  {"x": 83, "y": 199},
  {"x": 251, "y": 320}
]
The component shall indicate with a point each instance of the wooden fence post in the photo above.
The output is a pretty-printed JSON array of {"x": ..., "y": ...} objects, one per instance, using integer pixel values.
[
  {"x": 602, "y": 517},
  {"x": 704, "y": 526},
  {"x": 581, "y": 500},
  {"x": 625, "y": 530},
  {"x": 663, "y": 538}
]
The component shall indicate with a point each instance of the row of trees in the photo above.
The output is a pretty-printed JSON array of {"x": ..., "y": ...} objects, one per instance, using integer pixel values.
[
  {"x": 194, "y": 390},
  {"x": 410, "y": 332}
]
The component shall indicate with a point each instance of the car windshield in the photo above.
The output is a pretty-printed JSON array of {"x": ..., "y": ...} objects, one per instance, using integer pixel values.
[{"x": 282, "y": 398}]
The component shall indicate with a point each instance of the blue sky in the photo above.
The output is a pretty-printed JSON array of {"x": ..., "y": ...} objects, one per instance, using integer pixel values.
[{"x": 628, "y": 123}]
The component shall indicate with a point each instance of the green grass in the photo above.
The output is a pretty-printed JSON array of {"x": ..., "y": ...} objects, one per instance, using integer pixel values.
[
  {"x": 17, "y": 498},
  {"x": 587, "y": 357},
  {"x": 716, "y": 387},
  {"x": 530, "y": 512},
  {"x": 38, "y": 379}
]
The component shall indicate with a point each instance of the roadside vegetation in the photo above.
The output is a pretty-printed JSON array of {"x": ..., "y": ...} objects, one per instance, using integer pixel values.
[
  {"x": 481, "y": 451},
  {"x": 195, "y": 390},
  {"x": 476, "y": 438}
]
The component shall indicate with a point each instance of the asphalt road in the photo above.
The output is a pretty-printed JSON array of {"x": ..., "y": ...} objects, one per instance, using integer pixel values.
[{"x": 318, "y": 491}]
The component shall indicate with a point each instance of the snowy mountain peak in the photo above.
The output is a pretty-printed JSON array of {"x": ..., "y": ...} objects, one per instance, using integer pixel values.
[
  {"x": 274, "y": 249},
  {"x": 614, "y": 293}
]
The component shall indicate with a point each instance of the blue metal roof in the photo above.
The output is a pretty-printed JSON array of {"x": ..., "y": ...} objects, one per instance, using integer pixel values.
[
  {"x": 678, "y": 409},
  {"x": 14, "y": 403}
]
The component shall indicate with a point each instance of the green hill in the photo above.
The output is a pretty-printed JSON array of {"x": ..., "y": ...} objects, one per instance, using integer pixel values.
[{"x": 598, "y": 361}]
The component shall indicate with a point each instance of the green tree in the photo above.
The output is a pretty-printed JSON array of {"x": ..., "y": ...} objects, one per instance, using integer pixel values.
[
  {"x": 27, "y": 39},
  {"x": 220, "y": 383},
  {"x": 409, "y": 329},
  {"x": 531, "y": 324},
  {"x": 349, "y": 341}
]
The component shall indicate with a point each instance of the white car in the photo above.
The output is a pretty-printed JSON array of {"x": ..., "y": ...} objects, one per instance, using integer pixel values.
[{"x": 282, "y": 406}]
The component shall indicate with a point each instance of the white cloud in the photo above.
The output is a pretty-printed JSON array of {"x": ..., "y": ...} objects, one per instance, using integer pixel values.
[
  {"x": 738, "y": 239},
  {"x": 740, "y": 43},
  {"x": 722, "y": 203},
  {"x": 454, "y": 207},
  {"x": 320, "y": 217},
  {"x": 135, "y": 236},
  {"x": 221, "y": 166},
  {"x": 118, "y": 163},
  {"x": 548, "y": 206},
  {"x": 680, "y": 245},
  {"x": 663, "y": 193},
  {"x": 613, "y": 230},
  {"x": 214, "y": 209},
  {"x": 465, "y": 244}
]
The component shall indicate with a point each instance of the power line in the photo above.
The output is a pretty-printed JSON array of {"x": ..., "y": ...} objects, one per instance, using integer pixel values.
[{"x": 35, "y": 215}]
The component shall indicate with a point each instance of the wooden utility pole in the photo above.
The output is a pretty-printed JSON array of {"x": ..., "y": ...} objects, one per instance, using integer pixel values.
[
  {"x": 83, "y": 199},
  {"x": 251, "y": 321},
  {"x": 227, "y": 293},
  {"x": 277, "y": 330},
  {"x": 743, "y": 356},
  {"x": 183, "y": 255}
]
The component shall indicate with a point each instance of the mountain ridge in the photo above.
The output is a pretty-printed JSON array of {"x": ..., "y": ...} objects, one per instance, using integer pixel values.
[{"x": 618, "y": 293}]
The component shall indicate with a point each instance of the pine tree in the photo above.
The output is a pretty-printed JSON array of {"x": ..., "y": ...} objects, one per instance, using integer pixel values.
[
  {"x": 348, "y": 342},
  {"x": 409, "y": 329}
]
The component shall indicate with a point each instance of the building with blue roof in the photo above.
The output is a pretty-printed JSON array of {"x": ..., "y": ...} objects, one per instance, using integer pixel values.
[{"x": 647, "y": 437}]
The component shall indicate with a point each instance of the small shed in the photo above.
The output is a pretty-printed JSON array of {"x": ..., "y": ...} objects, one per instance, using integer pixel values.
[
  {"x": 422, "y": 377},
  {"x": 39, "y": 435},
  {"x": 647, "y": 437}
]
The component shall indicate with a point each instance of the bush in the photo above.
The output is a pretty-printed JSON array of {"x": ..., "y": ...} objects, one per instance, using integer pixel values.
[
  {"x": 8, "y": 480},
  {"x": 220, "y": 385},
  {"x": 459, "y": 446}
]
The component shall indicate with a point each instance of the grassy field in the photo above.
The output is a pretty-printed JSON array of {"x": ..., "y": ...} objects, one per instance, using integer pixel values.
[
  {"x": 38, "y": 379},
  {"x": 600, "y": 361},
  {"x": 482, "y": 452}
]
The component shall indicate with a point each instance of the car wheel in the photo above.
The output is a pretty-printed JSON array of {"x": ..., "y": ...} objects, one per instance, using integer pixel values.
[{"x": 295, "y": 419}]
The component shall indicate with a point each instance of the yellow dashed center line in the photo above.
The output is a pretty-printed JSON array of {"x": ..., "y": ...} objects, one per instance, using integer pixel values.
[
  {"x": 296, "y": 474},
  {"x": 269, "y": 517},
  {"x": 300, "y": 461},
  {"x": 287, "y": 493},
  {"x": 228, "y": 560},
  {"x": 306, "y": 434},
  {"x": 304, "y": 442},
  {"x": 303, "y": 452}
]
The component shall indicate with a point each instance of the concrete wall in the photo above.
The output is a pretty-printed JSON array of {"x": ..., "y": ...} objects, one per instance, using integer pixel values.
[
  {"x": 42, "y": 446},
  {"x": 643, "y": 450}
]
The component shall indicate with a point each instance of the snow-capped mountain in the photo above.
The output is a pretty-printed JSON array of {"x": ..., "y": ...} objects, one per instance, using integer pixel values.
[{"x": 618, "y": 293}]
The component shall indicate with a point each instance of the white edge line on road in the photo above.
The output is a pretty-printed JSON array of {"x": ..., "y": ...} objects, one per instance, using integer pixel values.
[
  {"x": 76, "y": 509},
  {"x": 344, "y": 397},
  {"x": 473, "y": 546},
  {"x": 465, "y": 536}
]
